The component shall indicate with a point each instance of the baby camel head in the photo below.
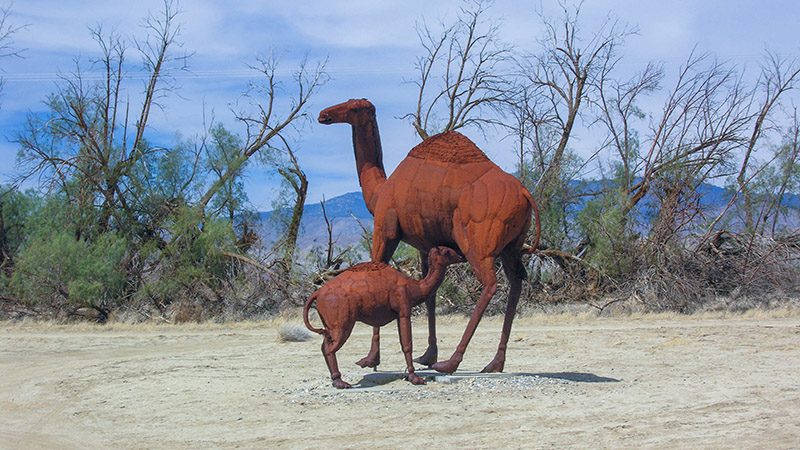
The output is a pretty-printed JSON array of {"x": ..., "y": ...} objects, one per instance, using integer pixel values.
[
  {"x": 443, "y": 256},
  {"x": 353, "y": 111}
]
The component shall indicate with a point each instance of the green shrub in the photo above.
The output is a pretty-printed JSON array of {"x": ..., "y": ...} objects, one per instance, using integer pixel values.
[
  {"x": 64, "y": 271},
  {"x": 193, "y": 259},
  {"x": 612, "y": 242}
]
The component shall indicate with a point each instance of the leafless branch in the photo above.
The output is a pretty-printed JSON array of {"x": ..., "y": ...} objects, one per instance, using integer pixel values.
[
  {"x": 268, "y": 123},
  {"x": 570, "y": 70},
  {"x": 460, "y": 74}
]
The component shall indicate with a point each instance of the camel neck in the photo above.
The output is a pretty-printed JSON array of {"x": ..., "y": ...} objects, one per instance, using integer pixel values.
[
  {"x": 369, "y": 160},
  {"x": 432, "y": 281}
]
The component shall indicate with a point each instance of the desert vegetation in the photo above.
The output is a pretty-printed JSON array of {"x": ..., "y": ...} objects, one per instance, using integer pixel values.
[{"x": 127, "y": 224}]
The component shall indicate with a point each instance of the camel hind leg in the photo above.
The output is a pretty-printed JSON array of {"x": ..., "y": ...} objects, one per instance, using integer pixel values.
[
  {"x": 515, "y": 272},
  {"x": 484, "y": 270},
  {"x": 330, "y": 345}
]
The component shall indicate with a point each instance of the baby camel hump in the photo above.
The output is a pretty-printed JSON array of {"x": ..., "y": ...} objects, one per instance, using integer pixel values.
[{"x": 362, "y": 292}]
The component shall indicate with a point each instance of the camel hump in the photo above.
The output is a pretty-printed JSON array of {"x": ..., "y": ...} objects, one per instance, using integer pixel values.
[
  {"x": 368, "y": 267},
  {"x": 449, "y": 147}
]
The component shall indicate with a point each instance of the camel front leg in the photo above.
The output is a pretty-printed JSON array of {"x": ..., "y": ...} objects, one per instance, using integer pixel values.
[
  {"x": 383, "y": 247},
  {"x": 431, "y": 354},
  {"x": 404, "y": 330},
  {"x": 373, "y": 358}
]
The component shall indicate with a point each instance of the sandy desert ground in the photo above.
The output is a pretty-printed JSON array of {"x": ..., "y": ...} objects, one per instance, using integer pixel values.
[{"x": 649, "y": 381}]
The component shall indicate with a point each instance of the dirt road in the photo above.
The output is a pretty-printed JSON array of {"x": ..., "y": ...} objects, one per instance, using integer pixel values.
[{"x": 653, "y": 381}]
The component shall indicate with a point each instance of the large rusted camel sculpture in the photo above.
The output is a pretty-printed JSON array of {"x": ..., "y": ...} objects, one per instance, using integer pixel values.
[
  {"x": 446, "y": 192},
  {"x": 376, "y": 294}
]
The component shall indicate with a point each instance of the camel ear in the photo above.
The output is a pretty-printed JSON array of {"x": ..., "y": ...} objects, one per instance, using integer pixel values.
[
  {"x": 363, "y": 104},
  {"x": 454, "y": 254}
]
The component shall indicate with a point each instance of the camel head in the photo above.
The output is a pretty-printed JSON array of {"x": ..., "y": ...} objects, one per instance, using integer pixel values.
[
  {"x": 443, "y": 256},
  {"x": 353, "y": 111}
]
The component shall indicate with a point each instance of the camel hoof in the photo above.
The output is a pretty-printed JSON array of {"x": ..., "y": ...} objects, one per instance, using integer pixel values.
[
  {"x": 369, "y": 361},
  {"x": 449, "y": 366},
  {"x": 429, "y": 358},
  {"x": 415, "y": 379},
  {"x": 341, "y": 384},
  {"x": 494, "y": 367}
]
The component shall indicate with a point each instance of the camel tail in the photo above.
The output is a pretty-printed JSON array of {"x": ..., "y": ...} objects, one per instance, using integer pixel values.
[
  {"x": 538, "y": 230},
  {"x": 311, "y": 300}
]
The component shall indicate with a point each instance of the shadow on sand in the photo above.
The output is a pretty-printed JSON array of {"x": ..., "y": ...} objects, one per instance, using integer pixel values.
[{"x": 376, "y": 379}]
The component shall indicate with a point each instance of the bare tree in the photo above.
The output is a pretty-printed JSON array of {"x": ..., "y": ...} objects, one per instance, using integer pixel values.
[
  {"x": 618, "y": 110},
  {"x": 7, "y": 32},
  {"x": 294, "y": 176},
  {"x": 330, "y": 242},
  {"x": 269, "y": 119},
  {"x": 331, "y": 265},
  {"x": 778, "y": 76},
  {"x": 460, "y": 77},
  {"x": 569, "y": 71},
  {"x": 700, "y": 125},
  {"x": 533, "y": 136},
  {"x": 162, "y": 33},
  {"x": 93, "y": 148},
  {"x": 89, "y": 135}
]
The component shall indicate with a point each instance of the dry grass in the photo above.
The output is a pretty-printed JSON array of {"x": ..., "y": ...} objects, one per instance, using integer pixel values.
[
  {"x": 289, "y": 329},
  {"x": 290, "y": 332},
  {"x": 53, "y": 325}
]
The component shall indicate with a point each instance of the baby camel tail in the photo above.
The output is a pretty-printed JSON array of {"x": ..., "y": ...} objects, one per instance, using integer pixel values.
[{"x": 309, "y": 302}]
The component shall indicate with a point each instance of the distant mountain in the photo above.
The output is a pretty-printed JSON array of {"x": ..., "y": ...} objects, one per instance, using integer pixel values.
[
  {"x": 344, "y": 212},
  {"x": 347, "y": 210},
  {"x": 712, "y": 200}
]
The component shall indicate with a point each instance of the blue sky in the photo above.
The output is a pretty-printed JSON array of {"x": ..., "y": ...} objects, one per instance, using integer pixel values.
[{"x": 371, "y": 48}]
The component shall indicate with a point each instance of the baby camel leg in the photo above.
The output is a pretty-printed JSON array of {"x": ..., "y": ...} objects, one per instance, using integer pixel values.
[
  {"x": 330, "y": 360},
  {"x": 373, "y": 358},
  {"x": 330, "y": 345},
  {"x": 382, "y": 250},
  {"x": 404, "y": 330},
  {"x": 484, "y": 271},
  {"x": 432, "y": 352}
]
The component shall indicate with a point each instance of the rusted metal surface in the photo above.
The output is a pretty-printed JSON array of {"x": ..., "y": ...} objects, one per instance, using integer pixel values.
[
  {"x": 376, "y": 294},
  {"x": 445, "y": 193}
]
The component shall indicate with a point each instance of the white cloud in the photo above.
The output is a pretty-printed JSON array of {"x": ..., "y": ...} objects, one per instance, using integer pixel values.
[{"x": 371, "y": 45}]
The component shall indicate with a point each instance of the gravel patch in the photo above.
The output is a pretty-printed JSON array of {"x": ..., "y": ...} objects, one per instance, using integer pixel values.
[{"x": 391, "y": 386}]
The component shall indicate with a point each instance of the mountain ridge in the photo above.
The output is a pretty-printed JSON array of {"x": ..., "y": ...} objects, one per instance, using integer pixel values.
[{"x": 349, "y": 216}]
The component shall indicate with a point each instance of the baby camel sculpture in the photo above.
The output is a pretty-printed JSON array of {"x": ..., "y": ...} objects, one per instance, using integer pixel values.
[
  {"x": 376, "y": 294},
  {"x": 445, "y": 192}
]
